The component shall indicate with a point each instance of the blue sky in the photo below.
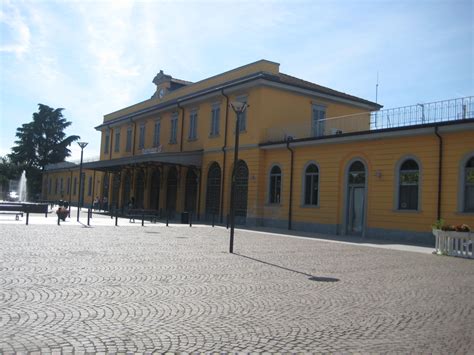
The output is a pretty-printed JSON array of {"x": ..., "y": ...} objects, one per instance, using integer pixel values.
[{"x": 94, "y": 57}]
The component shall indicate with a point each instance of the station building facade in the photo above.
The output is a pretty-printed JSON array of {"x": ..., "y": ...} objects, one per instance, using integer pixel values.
[{"x": 310, "y": 158}]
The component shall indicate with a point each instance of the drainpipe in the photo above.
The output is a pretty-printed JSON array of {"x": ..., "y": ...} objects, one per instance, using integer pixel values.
[
  {"x": 440, "y": 170},
  {"x": 223, "y": 154},
  {"x": 182, "y": 127},
  {"x": 290, "y": 204}
]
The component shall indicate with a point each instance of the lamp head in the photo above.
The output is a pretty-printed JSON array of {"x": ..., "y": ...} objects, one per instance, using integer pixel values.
[{"x": 238, "y": 107}]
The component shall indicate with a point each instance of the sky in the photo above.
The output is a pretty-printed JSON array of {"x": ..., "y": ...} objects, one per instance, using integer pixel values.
[{"x": 95, "y": 57}]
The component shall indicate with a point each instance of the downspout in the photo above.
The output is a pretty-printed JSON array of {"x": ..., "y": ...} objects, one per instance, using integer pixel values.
[
  {"x": 223, "y": 154},
  {"x": 182, "y": 127},
  {"x": 440, "y": 170},
  {"x": 290, "y": 204}
]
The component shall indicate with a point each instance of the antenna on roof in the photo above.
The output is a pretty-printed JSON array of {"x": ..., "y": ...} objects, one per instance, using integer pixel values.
[{"x": 377, "y": 89}]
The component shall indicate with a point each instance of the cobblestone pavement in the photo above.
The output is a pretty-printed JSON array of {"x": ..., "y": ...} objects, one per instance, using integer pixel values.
[{"x": 152, "y": 288}]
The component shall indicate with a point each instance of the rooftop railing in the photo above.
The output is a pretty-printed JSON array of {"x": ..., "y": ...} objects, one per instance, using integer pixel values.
[{"x": 419, "y": 114}]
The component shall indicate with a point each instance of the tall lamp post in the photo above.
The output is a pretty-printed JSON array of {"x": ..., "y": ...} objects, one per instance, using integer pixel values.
[
  {"x": 239, "y": 108},
  {"x": 82, "y": 145}
]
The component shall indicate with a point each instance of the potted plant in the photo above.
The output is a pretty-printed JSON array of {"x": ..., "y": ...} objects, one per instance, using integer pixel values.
[{"x": 448, "y": 236}]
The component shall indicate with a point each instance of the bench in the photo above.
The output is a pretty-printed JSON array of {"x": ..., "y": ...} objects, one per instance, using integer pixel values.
[
  {"x": 11, "y": 209},
  {"x": 151, "y": 215}
]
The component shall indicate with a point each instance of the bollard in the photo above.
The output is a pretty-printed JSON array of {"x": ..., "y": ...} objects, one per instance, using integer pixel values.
[
  {"x": 59, "y": 220},
  {"x": 213, "y": 219},
  {"x": 190, "y": 219},
  {"x": 27, "y": 217},
  {"x": 89, "y": 217},
  {"x": 227, "y": 222},
  {"x": 116, "y": 220},
  {"x": 143, "y": 219},
  {"x": 167, "y": 218}
]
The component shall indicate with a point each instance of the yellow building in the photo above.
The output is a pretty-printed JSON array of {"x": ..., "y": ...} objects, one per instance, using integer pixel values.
[{"x": 310, "y": 158}]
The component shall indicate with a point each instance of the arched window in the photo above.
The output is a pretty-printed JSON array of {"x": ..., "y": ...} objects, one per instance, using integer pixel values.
[
  {"x": 408, "y": 185},
  {"x": 469, "y": 186},
  {"x": 311, "y": 185},
  {"x": 275, "y": 184}
]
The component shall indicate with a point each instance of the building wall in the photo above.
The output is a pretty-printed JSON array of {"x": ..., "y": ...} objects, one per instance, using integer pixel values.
[{"x": 381, "y": 156}]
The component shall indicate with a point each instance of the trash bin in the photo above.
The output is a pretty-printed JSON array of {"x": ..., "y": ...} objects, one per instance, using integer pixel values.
[{"x": 184, "y": 217}]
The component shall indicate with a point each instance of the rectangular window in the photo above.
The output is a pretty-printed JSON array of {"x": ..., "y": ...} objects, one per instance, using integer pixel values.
[
  {"x": 174, "y": 128},
  {"x": 74, "y": 191},
  {"x": 317, "y": 122},
  {"x": 117, "y": 142},
  {"x": 242, "y": 116},
  {"x": 56, "y": 184},
  {"x": 49, "y": 185},
  {"x": 106, "y": 143},
  {"x": 68, "y": 187},
  {"x": 193, "y": 125},
  {"x": 156, "y": 136},
  {"x": 128, "y": 143},
  {"x": 215, "y": 113},
  {"x": 141, "y": 138},
  {"x": 89, "y": 190},
  {"x": 61, "y": 186}
]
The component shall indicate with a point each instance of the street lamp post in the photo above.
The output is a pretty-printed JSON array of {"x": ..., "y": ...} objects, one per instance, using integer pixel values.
[
  {"x": 82, "y": 145},
  {"x": 239, "y": 108}
]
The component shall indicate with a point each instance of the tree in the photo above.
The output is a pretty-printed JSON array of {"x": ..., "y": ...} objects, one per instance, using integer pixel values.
[
  {"x": 8, "y": 171},
  {"x": 41, "y": 142}
]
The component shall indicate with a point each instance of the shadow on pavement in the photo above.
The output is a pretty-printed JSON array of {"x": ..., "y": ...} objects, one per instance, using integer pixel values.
[{"x": 310, "y": 277}]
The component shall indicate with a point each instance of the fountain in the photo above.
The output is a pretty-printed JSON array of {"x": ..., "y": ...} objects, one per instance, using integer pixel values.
[{"x": 22, "y": 190}]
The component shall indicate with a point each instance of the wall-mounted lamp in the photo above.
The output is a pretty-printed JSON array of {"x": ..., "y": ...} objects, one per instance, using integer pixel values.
[{"x": 378, "y": 173}]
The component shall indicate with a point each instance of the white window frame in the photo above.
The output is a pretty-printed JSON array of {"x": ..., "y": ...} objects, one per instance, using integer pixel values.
[
  {"x": 117, "y": 142},
  {"x": 396, "y": 200},
  {"x": 215, "y": 118},
  {"x": 318, "y": 113},
  {"x": 271, "y": 175},
  {"x": 128, "y": 143},
  {"x": 156, "y": 133},
  {"x": 193, "y": 117},
  {"x": 141, "y": 136},
  {"x": 174, "y": 128},
  {"x": 303, "y": 199},
  {"x": 106, "y": 142}
]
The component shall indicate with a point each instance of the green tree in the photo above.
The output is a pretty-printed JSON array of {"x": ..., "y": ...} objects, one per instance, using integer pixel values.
[
  {"x": 41, "y": 142},
  {"x": 8, "y": 171}
]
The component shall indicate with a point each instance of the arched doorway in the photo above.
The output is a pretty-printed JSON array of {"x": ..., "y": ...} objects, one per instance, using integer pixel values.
[
  {"x": 213, "y": 191},
  {"x": 140, "y": 189},
  {"x": 241, "y": 191},
  {"x": 114, "y": 203},
  {"x": 127, "y": 186},
  {"x": 171, "y": 191},
  {"x": 105, "y": 186},
  {"x": 155, "y": 190},
  {"x": 191, "y": 191},
  {"x": 356, "y": 198}
]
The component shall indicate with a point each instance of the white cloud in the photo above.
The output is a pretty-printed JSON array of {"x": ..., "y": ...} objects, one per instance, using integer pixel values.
[{"x": 14, "y": 31}]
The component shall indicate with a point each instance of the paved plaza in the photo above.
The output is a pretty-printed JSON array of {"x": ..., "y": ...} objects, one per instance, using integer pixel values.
[{"x": 129, "y": 288}]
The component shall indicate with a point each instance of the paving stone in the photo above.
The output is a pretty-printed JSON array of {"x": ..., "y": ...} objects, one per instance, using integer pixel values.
[{"x": 133, "y": 289}]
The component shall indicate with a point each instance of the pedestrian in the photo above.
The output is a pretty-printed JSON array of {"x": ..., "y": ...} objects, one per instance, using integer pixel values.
[
  {"x": 105, "y": 203},
  {"x": 95, "y": 204}
]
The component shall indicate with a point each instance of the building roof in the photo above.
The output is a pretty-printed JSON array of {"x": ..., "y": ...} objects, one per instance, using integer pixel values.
[{"x": 291, "y": 80}]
